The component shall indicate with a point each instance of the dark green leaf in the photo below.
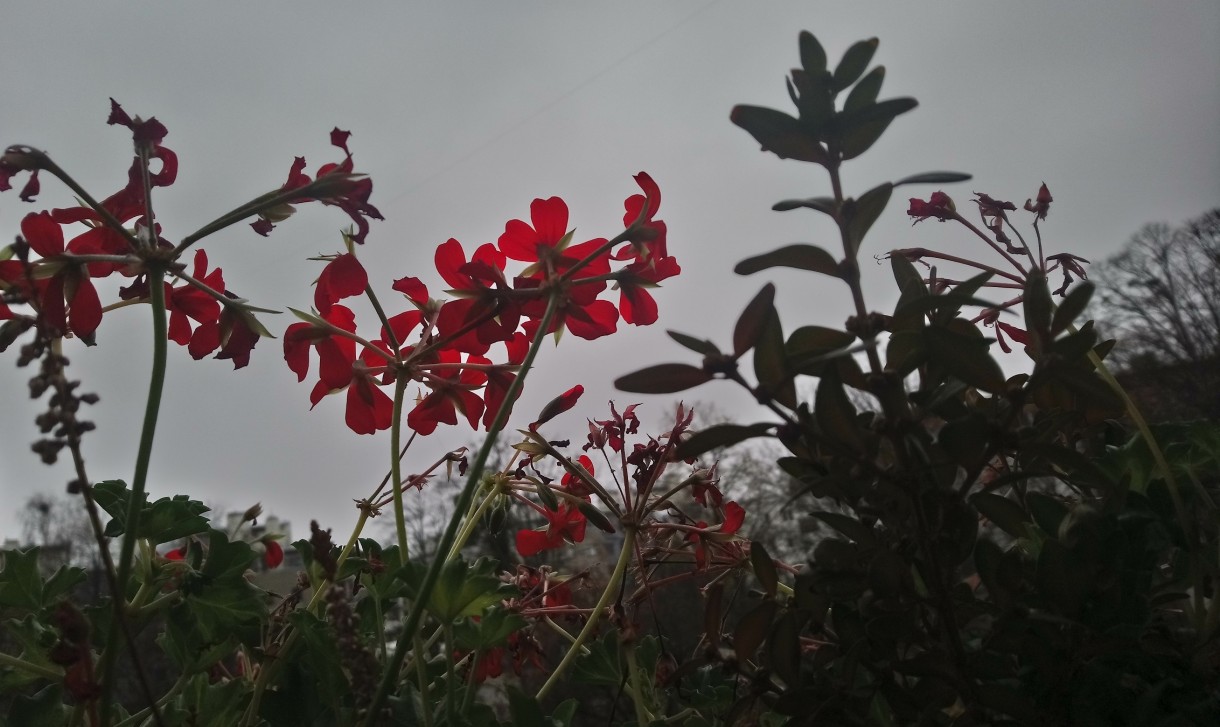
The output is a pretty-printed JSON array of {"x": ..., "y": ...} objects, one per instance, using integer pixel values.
[
  {"x": 800, "y": 256},
  {"x": 601, "y": 665},
  {"x": 964, "y": 357},
  {"x": 1006, "y": 514},
  {"x": 965, "y": 439},
  {"x": 904, "y": 352},
  {"x": 861, "y": 215},
  {"x": 835, "y": 414},
  {"x": 752, "y": 629},
  {"x": 934, "y": 178},
  {"x": 663, "y": 379},
  {"x": 784, "y": 648},
  {"x": 720, "y": 435},
  {"x": 1071, "y": 306},
  {"x": 1075, "y": 346},
  {"x": 20, "y": 580},
  {"x": 849, "y": 526},
  {"x": 751, "y": 321},
  {"x": 779, "y": 133},
  {"x": 595, "y": 516},
  {"x": 45, "y": 708},
  {"x": 1091, "y": 388},
  {"x": 764, "y": 568},
  {"x": 854, "y": 63},
  {"x": 865, "y": 92},
  {"x": 1038, "y": 303},
  {"x": 1047, "y": 511},
  {"x": 698, "y": 345},
  {"x": 816, "y": 340},
  {"x": 771, "y": 363},
  {"x": 466, "y": 589},
  {"x": 1063, "y": 577},
  {"x": 813, "y": 56},
  {"x": 549, "y": 499},
  {"x": 826, "y": 205},
  {"x": 862, "y": 127},
  {"x": 523, "y": 708}
]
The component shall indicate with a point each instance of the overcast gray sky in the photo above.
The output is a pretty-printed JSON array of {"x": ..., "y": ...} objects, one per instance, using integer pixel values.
[{"x": 464, "y": 112}]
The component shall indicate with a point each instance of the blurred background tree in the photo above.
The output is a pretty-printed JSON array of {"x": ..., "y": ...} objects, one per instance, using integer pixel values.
[{"x": 1160, "y": 296}]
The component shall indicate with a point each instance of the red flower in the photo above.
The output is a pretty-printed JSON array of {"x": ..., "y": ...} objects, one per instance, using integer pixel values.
[
  {"x": 68, "y": 301},
  {"x": 575, "y": 484},
  {"x": 521, "y": 241},
  {"x": 273, "y": 554},
  {"x": 939, "y": 205},
  {"x": 1017, "y": 334},
  {"x": 186, "y": 302},
  {"x": 1042, "y": 204},
  {"x": 343, "y": 277},
  {"x": 635, "y": 302},
  {"x": 558, "y": 405},
  {"x": 344, "y": 189},
  {"x": 566, "y": 524},
  {"x": 176, "y": 554},
  {"x": 451, "y": 392},
  {"x": 648, "y": 239}
]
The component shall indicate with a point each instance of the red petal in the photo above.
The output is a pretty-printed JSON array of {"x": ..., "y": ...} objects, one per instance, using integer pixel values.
[
  {"x": 45, "y": 237},
  {"x": 274, "y": 554},
  {"x": 734, "y": 515},
  {"x": 342, "y": 277}
]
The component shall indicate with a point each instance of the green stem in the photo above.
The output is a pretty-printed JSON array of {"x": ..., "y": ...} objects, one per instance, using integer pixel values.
[
  {"x": 643, "y": 715},
  {"x": 156, "y": 385},
  {"x": 421, "y": 676},
  {"x": 416, "y": 614},
  {"x": 591, "y": 625},
  {"x": 472, "y": 522},
  {"x": 400, "y": 516}
]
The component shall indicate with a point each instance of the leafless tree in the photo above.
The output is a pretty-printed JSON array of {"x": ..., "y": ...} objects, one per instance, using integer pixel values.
[{"x": 1160, "y": 296}]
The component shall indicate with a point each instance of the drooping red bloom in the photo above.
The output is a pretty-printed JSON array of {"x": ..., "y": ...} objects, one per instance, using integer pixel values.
[
  {"x": 273, "y": 553},
  {"x": 566, "y": 524},
  {"x": 451, "y": 392},
  {"x": 1041, "y": 204},
  {"x": 186, "y": 302},
  {"x": 1017, "y": 334},
  {"x": 67, "y": 300},
  {"x": 343, "y": 188},
  {"x": 648, "y": 239},
  {"x": 342, "y": 277},
  {"x": 939, "y": 205},
  {"x": 635, "y": 302},
  {"x": 576, "y": 485}
]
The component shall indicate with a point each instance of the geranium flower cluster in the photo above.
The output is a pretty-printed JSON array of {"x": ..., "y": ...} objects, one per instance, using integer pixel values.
[
  {"x": 61, "y": 252},
  {"x": 993, "y": 213},
  {"x": 463, "y": 349}
]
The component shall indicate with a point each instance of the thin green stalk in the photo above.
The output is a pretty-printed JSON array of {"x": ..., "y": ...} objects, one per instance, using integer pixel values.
[
  {"x": 643, "y": 715},
  {"x": 472, "y": 522},
  {"x": 421, "y": 676},
  {"x": 156, "y": 385},
  {"x": 451, "y": 677},
  {"x": 400, "y": 516},
  {"x": 590, "y": 626},
  {"x": 416, "y": 614}
]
